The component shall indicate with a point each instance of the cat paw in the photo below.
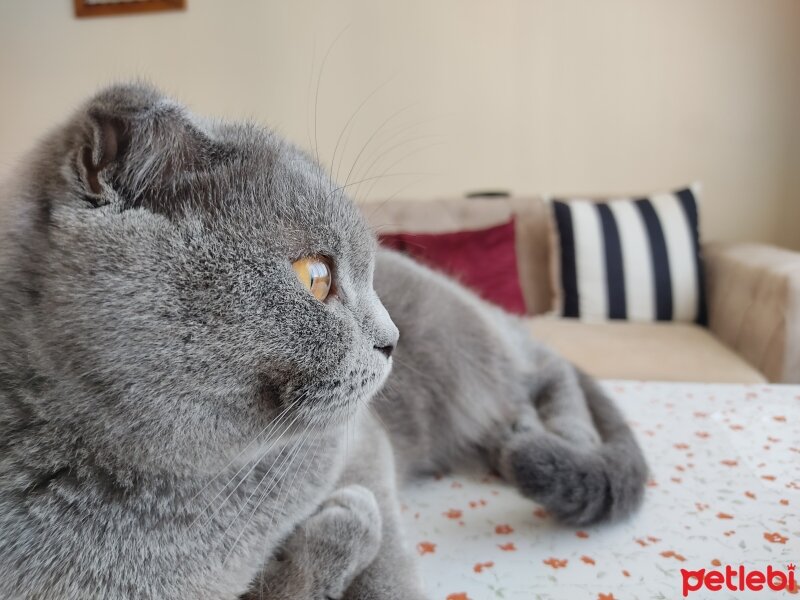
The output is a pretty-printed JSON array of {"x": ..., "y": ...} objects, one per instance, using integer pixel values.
[{"x": 339, "y": 541}]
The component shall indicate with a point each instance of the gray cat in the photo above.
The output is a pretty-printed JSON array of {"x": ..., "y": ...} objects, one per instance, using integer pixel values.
[{"x": 192, "y": 366}]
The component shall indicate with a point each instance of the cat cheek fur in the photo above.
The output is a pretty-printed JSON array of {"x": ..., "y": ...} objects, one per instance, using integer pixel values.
[{"x": 177, "y": 326}]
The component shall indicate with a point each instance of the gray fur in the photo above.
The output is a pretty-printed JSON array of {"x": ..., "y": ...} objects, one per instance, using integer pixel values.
[
  {"x": 470, "y": 386},
  {"x": 180, "y": 418}
]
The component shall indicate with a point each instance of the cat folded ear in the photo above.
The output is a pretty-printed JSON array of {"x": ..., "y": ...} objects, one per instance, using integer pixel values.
[
  {"x": 107, "y": 142},
  {"x": 131, "y": 139}
]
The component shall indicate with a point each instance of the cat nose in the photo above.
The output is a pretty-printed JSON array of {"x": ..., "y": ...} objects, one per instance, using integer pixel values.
[{"x": 385, "y": 350}]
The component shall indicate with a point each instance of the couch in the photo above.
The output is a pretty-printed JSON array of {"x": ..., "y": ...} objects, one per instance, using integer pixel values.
[{"x": 752, "y": 290}]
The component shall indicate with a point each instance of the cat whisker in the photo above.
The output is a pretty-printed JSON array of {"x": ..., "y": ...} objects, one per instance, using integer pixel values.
[
  {"x": 374, "y": 413},
  {"x": 414, "y": 152},
  {"x": 270, "y": 426},
  {"x": 308, "y": 92},
  {"x": 290, "y": 458},
  {"x": 319, "y": 82},
  {"x": 282, "y": 466},
  {"x": 349, "y": 122},
  {"x": 395, "y": 136},
  {"x": 410, "y": 367},
  {"x": 382, "y": 149},
  {"x": 272, "y": 517},
  {"x": 385, "y": 176},
  {"x": 368, "y": 142},
  {"x": 347, "y": 438},
  {"x": 294, "y": 477},
  {"x": 243, "y": 478}
]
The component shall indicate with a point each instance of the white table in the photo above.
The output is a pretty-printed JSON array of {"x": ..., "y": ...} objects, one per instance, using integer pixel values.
[{"x": 725, "y": 489}]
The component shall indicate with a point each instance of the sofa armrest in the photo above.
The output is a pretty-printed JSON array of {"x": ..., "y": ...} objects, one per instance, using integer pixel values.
[{"x": 753, "y": 293}]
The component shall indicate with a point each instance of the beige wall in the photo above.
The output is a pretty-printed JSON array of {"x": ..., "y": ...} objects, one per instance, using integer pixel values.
[{"x": 561, "y": 96}]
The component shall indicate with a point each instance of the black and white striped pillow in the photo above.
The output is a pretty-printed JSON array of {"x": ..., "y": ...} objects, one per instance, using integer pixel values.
[{"x": 633, "y": 258}]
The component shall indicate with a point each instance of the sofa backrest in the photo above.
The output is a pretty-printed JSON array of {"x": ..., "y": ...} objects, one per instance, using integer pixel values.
[{"x": 532, "y": 225}]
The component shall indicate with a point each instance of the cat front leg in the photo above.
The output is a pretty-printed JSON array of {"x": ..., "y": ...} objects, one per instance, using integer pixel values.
[
  {"x": 326, "y": 552},
  {"x": 353, "y": 547},
  {"x": 392, "y": 575}
]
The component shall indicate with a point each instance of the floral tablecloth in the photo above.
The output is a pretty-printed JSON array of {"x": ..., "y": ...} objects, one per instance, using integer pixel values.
[{"x": 725, "y": 490}]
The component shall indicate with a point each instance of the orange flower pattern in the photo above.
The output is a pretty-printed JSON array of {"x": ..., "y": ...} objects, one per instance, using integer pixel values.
[
  {"x": 776, "y": 538},
  {"x": 509, "y": 547},
  {"x": 725, "y": 464},
  {"x": 479, "y": 567},
  {"x": 556, "y": 563},
  {"x": 426, "y": 548}
]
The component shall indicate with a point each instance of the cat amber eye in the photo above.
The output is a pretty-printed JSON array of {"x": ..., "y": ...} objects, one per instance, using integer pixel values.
[{"x": 314, "y": 272}]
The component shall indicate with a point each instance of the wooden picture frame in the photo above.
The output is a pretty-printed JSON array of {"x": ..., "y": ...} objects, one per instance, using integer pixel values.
[{"x": 98, "y": 8}]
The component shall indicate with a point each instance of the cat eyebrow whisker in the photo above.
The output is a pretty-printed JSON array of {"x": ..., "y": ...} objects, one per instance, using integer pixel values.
[
  {"x": 407, "y": 155},
  {"x": 350, "y": 122},
  {"x": 319, "y": 83},
  {"x": 384, "y": 176},
  {"x": 382, "y": 150},
  {"x": 371, "y": 138}
]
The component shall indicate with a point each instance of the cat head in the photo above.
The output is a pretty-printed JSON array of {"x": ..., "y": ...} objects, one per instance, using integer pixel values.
[{"x": 169, "y": 303}]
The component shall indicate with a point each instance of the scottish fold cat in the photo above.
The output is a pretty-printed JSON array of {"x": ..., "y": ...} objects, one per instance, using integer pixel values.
[{"x": 202, "y": 394}]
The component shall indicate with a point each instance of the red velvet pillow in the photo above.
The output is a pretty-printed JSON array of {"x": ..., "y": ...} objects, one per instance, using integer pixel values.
[{"x": 484, "y": 260}]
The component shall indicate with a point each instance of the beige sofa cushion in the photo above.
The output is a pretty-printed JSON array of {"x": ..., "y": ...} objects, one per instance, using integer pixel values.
[
  {"x": 754, "y": 305},
  {"x": 455, "y": 214},
  {"x": 645, "y": 351}
]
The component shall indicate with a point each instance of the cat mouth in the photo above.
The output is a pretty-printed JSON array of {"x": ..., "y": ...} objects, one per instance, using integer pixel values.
[{"x": 321, "y": 399}]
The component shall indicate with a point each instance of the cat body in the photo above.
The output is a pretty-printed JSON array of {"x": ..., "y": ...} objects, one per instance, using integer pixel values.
[
  {"x": 181, "y": 418},
  {"x": 471, "y": 388}
]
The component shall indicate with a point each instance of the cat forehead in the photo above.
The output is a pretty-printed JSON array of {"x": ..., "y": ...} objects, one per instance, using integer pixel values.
[
  {"x": 252, "y": 167},
  {"x": 263, "y": 188}
]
